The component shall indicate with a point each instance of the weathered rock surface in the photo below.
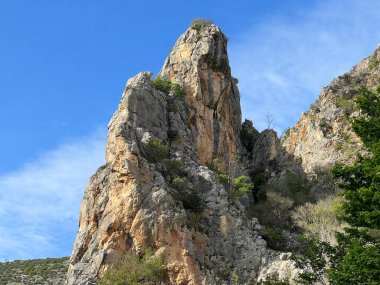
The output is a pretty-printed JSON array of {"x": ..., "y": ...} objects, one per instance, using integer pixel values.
[
  {"x": 266, "y": 152},
  {"x": 323, "y": 136},
  {"x": 131, "y": 202},
  {"x": 199, "y": 62}
]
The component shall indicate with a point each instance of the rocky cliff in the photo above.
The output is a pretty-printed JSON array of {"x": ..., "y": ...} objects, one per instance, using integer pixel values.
[
  {"x": 323, "y": 135},
  {"x": 175, "y": 143},
  {"x": 156, "y": 190}
]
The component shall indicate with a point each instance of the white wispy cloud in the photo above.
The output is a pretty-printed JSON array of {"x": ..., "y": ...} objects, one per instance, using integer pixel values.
[
  {"x": 39, "y": 203},
  {"x": 283, "y": 63}
]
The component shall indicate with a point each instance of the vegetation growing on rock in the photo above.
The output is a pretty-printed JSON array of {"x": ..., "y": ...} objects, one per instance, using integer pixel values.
[
  {"x": 198, "y": 23},
  {"x": 48, "y": 271},
  {"x": 355, "y": 259},
  {"x": 166, "y": 86},
  {"x": 135, "y": 270},
  {"x": 156, "y": 150}
]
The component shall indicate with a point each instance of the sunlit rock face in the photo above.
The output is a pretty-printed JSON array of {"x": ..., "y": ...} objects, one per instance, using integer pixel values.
[
  {"x": 134, "y": 202},
  {"x": 200, "y": 63},
  {"x": 323, "y": 136}
]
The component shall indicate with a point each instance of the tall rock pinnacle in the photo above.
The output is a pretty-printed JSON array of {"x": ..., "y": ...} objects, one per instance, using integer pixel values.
[
  {"x": 155, "y": 190},
  {"x": 199, "y": 61}
]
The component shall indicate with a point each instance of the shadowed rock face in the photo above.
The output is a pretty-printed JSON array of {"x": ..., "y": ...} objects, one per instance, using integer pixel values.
[{"x": 131, "y": 204}]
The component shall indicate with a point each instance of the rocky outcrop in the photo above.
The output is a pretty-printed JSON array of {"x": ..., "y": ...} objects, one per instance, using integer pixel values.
[
  {"x": 155, "y": 190},
  {"x": 323, "y": 136},
  {"x": 266, "y": 152},
  {"x": 199, "y": 62}
]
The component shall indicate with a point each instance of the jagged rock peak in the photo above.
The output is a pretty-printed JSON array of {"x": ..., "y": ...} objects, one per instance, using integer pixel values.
[
  {"x": 199, "y": 62},
  {"x": 155, "y": 192}
]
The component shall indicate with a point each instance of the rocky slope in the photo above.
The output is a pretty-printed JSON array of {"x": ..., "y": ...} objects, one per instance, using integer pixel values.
[
  {"x": 50, "y": 271},
  {"x": 323, "y": 135},
  {"x": 156, "y": 190}
]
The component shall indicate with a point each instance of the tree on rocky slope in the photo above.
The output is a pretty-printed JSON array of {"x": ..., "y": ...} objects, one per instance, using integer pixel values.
[{"x": 356, "y": 259}]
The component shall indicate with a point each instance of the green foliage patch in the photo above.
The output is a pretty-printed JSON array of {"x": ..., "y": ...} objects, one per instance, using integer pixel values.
[
  {"x": 374, "y": 62},
  {"x": 136, "y": 270},
  {"x": 356, "y": 257},
  {"x": 241, "y": 185},
  {"x": 156, "y": 150},
  {"x": 199, "y": 23},
  {"x": 166, "y": 86},
  {"x": 179, "y": 183},
  {"x": 236, "y": 186},
  {"x": 285, "y": 135},
  {"x": 35, "y": 271}
]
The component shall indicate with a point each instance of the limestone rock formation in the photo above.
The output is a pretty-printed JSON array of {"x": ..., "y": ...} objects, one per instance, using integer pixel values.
[
  {"x": 199, "y": 62},
  {"x": 156, "y": 191},
  {"x": 323, "y": 135},
  {"x": 266, "y": 152}
]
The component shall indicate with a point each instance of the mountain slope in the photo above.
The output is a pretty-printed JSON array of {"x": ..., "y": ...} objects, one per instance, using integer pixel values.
[
  {"x": 323, "y": 136},
  {"x": 50, "y": 271}
]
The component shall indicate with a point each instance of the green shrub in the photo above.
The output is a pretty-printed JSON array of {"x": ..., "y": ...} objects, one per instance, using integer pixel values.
[
  {"x": 223, "y": 178},
  {"x": 285, "y": 135},
  {"x": 274, "y": 238},
  {"x": 166, "y": 86},
  {"x": 178, "y": 91},
  {"x": 259, "y": 181},
  {"x": 179, "y": 183},
  {"x": 346, "y": 104},
  {"x": 236, "y": 186},
  {"x": 174, "y": 167},
  {"x": 194, "y": 219},
  {"x": 373, "y": 62},
  {"x": 156, "y": 150},
  {"x": 135, "y": 271},
  {"x": 220, "y": 173},
  {"x": 314, "y": 108},
  {"x": 240, "y": 186},
  {"x": 162, "y": 84},
  {"x": 199, "y": 23}
]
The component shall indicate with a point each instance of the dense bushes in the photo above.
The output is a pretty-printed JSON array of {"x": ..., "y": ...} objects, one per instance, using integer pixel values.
[
  {"x": 35, "y": 271},
  {"x": 156, "y": 150},
  {"x": 241, "y": 185},
  {"x": 179, "y": 183},
  {"x": 198, "y": 23},
  {"x": 136, "y": 271},
  {"x": 166, "y": 86}
]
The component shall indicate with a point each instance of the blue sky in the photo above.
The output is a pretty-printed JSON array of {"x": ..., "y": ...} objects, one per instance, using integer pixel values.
[{"x": 64, "y": 64}]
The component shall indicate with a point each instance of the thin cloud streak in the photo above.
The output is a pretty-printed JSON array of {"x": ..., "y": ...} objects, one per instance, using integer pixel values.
[
  {"x": 282, "y": 64},
  {"x": 39, "y": 204}
]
